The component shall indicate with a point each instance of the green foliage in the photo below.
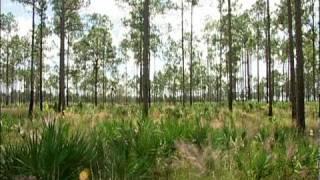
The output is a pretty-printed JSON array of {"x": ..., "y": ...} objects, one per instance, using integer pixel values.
[
  {"x": 173, "y": 143},
  {"x": 50, "y": 153}
]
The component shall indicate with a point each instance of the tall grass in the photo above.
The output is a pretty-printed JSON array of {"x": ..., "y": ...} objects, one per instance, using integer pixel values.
[{"x": 180, "y": 144}]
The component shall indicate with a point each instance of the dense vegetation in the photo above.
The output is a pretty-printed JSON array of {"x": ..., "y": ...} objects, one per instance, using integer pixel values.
[
  {"x": 237, "y": 99},
  {"x": 202, "y": 142}
]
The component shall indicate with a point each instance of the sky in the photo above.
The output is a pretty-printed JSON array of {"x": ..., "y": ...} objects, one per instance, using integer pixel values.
[{"x": 206, "y": 9}]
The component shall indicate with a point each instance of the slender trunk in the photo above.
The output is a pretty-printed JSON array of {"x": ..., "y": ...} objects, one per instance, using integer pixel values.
[
  {"x": 140, "y": 68},
  {"x": 67, "y": 70},
  {"x": 103, "y": 68},
  {"x": 61, "y": 104},
  {"x": 230, "y": 68},
  {"x": 7, "y": 76},
  {"x": 313, "y": 53},
  {"x": 146, "y": 42},
  {"x": 300, "y": 67},
  {"x": 248, "y": 74},
  {"x": 191, "y": 57},
  {"x": 283, "y": 86},
  {"x": 12, "y": 82},
  {"x": 32, "y": 59},
  {"x": 220, "y": 54},
  {"x": 258, "y": 68},
  {"x": 182, "y": 48},
  {"x": 291, "y": 59},
  {"x": 41, "y": 59},
  {"x": 126, "y": 82},
  {"x": 270, "y": 84},
  {"x": 319, "y": 59},
  {"x": 266, "y": 55},
  {"x": 96, "y": 69},
  {"x": 1, "y": 67}
]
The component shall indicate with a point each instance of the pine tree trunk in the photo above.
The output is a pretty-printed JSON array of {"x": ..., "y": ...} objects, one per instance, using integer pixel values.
[
  {"x": 258, "y": 68},
  {"x": 140, "y": 68},
  {"x": 319, "y": 60},
  {"x": 191, "y": 57},
  {"x": 291, "y": 59},
  {"x": 96, "y": 69},
  {"x": 61, "y": 103},
  {"x": 248, "y": 75},
  {"x": 32, "y": 60},
  {"x": 41, "y": 59},
  {"x": 182, "y": 49},
  {"x": 12, "y": 82},
  {"x": 220, "y": 53},
  {"x": 7, "y": 76},
  {"x": 67, "y": 70},
  {"x": 300, "y": 67},
  {"x": 313, "y": 54},
  {"x": 146, "y": 42},
  {"x": 270, "y": 80},
  {"x": 230, "y": 68},
  {"x": 1, "y": 67}
]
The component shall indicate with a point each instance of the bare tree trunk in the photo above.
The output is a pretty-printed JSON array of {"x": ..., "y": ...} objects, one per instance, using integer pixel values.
[
  {"x": 7, "y": 76},
  {"x": 191, "y": 57},
  {"x": 270, "y": 84},
  {"x": 32, "y": 59},
  {"x": 182, "y": 48},
  {"x": 291, "y": 59},
  {"x": 146, "y": 42},
  {"x": 230, "y": 68},
  {"x": 220, "y": 53},
  {"x": 313, "y": 53},
  {"x": 104, "y": 59},
  {"x": 258, "y": 68},
  {"x": 140, "y": 68},
  {"x": 41, "y": 59},
  {"x": 67, "y": 71},
  {"x": 61, "y": 103},
  {"x": 96, "y": 69},
  {"x": 300, "y": 67},
  {"x": 248, "y": 75},
  {"x": 1, "y": 67},
  {"x": 319, "y": 59},
  {"x": 12, "y": 82}
]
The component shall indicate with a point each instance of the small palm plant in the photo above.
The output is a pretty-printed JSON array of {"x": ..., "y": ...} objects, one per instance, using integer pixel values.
[{"x": 50, "y": 153}]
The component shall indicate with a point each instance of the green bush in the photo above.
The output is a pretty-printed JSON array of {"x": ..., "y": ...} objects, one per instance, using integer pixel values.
[{"x": 50, "y": 153}]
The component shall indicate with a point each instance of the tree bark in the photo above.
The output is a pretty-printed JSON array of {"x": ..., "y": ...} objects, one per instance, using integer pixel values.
[
  {"x": 12, "y": 81},
  {"x": 248, "y": 75},
  {"x": 300, "y": 67},
  {"x": 258, "y": 68},
  {"x": 319, "y": 60},
  {"x": 61, "y": 103},
  {"x": 146, "y": 42},
  {"x": 313, "y": 53},
  {"x": 67, "y": 71},
  {"x": 41, "y": 58},
  {"x": 96, "y": 69},
  {"x": 191, "y": 57},
  {"x": 291, "y": 59},
  {"x": 182, "y": 49},
  {"x": 220, "y": 53},
  {"x": 32, "y": 59},
  {"x": 270, "y": 84},
  {"x": 230, "y": 68}
]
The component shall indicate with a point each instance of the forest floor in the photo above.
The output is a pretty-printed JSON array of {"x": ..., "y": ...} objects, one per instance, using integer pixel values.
[{"x": 204, "y": 141}]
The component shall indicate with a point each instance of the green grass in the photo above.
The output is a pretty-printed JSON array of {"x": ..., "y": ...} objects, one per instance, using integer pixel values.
[{"x": 202, "y": 142}]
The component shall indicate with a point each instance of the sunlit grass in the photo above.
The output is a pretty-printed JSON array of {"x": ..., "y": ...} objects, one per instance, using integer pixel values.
[{"x": 202, "y": 142}]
